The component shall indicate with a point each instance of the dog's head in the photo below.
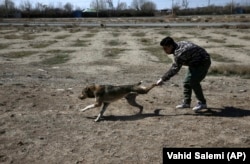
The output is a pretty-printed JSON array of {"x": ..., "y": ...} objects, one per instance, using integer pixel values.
[{"x": 87, "y": 92}]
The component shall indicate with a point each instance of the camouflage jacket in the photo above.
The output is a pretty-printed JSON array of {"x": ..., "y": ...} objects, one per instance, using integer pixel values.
[{"x": 187, "y": 54}]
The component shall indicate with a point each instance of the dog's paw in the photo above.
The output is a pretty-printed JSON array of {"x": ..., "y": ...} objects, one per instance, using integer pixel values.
[
  {"x": 97, "y": 120},
  {"x": 81, "y": 110}
]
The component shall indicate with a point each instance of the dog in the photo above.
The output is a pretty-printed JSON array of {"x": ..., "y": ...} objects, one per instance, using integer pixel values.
[{"x": 106, "y": 94}]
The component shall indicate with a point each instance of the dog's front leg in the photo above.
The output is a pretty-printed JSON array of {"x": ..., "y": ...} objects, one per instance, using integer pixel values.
[
  {"x": 91, "y": 106},
  {"x": 104, "y": 107}
]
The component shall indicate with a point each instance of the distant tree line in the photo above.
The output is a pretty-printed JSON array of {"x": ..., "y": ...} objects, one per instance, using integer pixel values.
[{"x": 106, "y": 8}]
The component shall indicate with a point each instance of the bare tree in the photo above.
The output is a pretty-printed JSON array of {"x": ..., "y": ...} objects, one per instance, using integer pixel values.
[
  {"x": 185, "y": 4},
  {"x": 175, "y": 8},
  {"x": 98, "y": 4},
  {"x": 136, "y": 4},
  {"x": 121, "y": 6},
  {"x": 8, "y": 6},
  {"x": 25, "y": 5},
  {"x": 148, "y": 6},
  {"x": 40, "y": 7}
]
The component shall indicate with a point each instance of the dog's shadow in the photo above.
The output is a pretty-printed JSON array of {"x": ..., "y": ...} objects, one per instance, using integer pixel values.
[
  {"x": 130, "y": 117},
  {"x": 227, "y": 111}
]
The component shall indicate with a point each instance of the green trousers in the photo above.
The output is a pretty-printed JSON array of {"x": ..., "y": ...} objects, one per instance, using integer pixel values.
[{"x": 193, "y": 78}]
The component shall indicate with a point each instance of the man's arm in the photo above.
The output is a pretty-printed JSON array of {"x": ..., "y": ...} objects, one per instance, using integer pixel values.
[{"x": 174, "y": 69}]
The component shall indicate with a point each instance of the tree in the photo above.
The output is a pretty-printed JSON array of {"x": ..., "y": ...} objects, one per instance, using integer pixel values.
[
  {"x": 68, "y": 7},
  {"x": 136, "y": 4}
]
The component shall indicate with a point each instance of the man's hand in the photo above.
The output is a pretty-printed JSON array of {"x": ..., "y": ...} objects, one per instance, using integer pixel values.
[{"x": 159, "y": 82}]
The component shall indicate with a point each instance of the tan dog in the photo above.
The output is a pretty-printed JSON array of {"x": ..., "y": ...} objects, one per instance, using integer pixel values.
[{"x": 105, "y": 94}]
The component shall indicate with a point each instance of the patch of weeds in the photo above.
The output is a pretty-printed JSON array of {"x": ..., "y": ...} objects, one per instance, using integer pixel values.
[
  {"x": 205, "y": 37},
  {"x": 217, "y": 40},
  {"x": 234, "y": 46},
  {"x": 80, "y": 43},
  {"x": 222, "y": 33},
  {"x": 245, "y": 38},
  {"x": 11, "y": 36},
  {"x": 89, "y": 35},
  {"x": 195, "y": 34},
  {"x": 139, "y": 34},
  {"x": 114, "y": 42},
  {"x": 42, "y": 44},
  {"x": 74, "y": 30},
  {"x": 220, "y": 58},
  {"x": 146, "y": 41},
  {"x": 180, "y": 38},
  {"x": 57, "y": 59},
  {"x": 112, "y": 52},
  {"x": 28, "y": 37},
  {"x": 18, "y": 54},
  {"x": 231, "y": 70},
  {"x": 116, "y": 34},
  {"x": 159, "y": 53},
  {"x": 165, "y": 33},
  {"x": 62, "y": 36},
  {"x": 3, "y": 46},
  {"x": 24, "y": 36},
  {"x": 57, "y": 51},
  {"x": 93, "y": 30}
]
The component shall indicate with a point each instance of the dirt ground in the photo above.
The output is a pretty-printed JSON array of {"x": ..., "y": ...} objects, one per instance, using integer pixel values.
[{"x": 40, "y": 120}]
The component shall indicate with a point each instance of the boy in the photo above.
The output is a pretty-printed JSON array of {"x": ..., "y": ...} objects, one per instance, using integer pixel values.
[{"x": 198, "y": 62}]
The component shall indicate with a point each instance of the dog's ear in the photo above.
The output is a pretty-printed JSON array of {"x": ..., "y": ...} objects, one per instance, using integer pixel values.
[{"x": 89, "y": 91}]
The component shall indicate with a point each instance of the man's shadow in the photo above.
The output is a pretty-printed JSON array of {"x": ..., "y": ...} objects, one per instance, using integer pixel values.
[{"x": 227, "y": 111}]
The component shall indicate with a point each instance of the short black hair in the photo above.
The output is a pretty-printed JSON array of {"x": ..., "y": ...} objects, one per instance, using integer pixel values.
[{"x": 167, "y": 41}]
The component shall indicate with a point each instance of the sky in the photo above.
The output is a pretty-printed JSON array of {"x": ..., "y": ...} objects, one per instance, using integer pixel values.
[{"x": 160, "y": 4}]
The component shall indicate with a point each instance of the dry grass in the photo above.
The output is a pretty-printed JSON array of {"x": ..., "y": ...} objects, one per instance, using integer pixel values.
[
  {"x": 3, "y": 46},
  {"x": 112, "y": 52},
  {"x": 59, "y": 51},
  {"x": 62, "y": 36},
  {"x": 24, "y": 36},
  {"x": 115, "y": 42},
  {"x": 245, "y": 38},
  {"x": 57, "y": 59},
  {"x": 220, "y": 58},
  {"x": 42, "y": 44},
  {"x": 89, "y": 35},
  {"x": 18, "y": 54},
  {"x": 231, "y": 70},
  {"x": 234, "y": 46},
  {"x": 139, "y": 34},
  {"x": 81, "y": 43},
  {"x": 159, "y": 53},
  {"x": 146, "y": 41}
]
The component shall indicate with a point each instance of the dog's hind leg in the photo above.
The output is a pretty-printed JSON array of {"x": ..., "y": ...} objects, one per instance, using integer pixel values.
[
  {"x": 131, "y": 100},
  {"x": 104, "y": 107}
]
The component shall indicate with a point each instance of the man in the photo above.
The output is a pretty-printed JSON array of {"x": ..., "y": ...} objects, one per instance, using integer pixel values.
[{"x": 198, "y": 62}]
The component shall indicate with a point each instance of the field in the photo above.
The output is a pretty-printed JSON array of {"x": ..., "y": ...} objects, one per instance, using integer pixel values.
[{"x": 43, "y": 70}]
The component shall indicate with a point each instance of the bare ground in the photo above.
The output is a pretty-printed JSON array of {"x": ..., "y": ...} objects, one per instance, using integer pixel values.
[{"x": 40, "y": 120}]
